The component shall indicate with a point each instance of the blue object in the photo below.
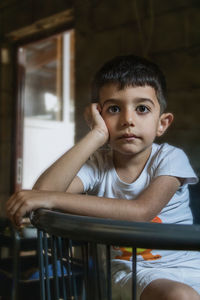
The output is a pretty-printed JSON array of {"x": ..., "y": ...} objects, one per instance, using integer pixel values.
[{"x": 35, "y": 275}]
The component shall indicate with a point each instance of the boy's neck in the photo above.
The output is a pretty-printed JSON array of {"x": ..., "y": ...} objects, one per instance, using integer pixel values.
[{"x": 129, "y": 167}]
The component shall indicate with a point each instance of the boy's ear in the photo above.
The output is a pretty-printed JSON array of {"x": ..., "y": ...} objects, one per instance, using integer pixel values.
[{"x": 165, "y": 121}]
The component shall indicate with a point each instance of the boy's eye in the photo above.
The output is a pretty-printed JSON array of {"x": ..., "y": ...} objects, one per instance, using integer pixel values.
[
  {"x": 114, "y": 109},
  {"x": 142, "y": 109}
]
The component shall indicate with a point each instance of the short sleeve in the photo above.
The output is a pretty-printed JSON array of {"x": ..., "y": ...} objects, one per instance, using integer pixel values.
[
  {"x": 90, "y": 172},
  {"x": 173, "y": 161}
]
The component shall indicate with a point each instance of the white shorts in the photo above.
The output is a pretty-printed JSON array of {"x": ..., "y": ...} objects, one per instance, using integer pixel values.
[{"x": 186, "y": 271}]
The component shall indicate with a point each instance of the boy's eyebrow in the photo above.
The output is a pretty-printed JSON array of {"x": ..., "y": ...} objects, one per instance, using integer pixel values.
[
  {"x": 145, "y": 100},
  {"x": 138, "y": 100},
  {"x": 107, "y": 101}
]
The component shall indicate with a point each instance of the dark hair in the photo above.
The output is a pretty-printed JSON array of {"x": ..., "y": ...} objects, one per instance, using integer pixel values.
[{"x": 131, "y": 70}]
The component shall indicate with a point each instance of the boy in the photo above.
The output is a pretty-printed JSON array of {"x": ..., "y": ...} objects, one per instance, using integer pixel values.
[{"x": 135, "y": 180}]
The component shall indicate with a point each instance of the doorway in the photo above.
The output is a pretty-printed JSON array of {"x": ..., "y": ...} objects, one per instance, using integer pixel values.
[{"x": 45, "y": 116}]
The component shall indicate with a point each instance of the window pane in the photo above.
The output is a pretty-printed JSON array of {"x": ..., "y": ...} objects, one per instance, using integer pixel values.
[
  {"x": 43, "y": 80},
  {"x": 46, "y": 109}
]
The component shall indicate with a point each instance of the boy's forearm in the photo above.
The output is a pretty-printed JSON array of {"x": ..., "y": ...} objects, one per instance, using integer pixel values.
[
  {"x": 141, "y": 209},
  {"x": 100, "y": 207},
  {"x": 23, "y": 202},
  {"x": 59, "y": 176},
  {"x": 144, "y": 208}
]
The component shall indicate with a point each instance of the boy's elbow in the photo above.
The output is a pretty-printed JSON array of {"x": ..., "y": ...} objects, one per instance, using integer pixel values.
[
  {"x": 40, "y": 185},
  {"x": 37, "y": 187},
  {"x": 148, "y": 216},
  {"x": 140, "y": 213}
]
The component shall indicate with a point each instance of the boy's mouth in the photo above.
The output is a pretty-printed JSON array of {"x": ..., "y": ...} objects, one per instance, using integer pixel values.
[{"x": 128, "y": 136}]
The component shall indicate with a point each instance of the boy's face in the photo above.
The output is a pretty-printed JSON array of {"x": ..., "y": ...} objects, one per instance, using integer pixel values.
[{"x": 132, "y": 116}]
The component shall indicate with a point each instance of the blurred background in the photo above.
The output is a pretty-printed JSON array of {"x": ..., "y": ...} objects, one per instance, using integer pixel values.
[{"x": 49, "y": 52}]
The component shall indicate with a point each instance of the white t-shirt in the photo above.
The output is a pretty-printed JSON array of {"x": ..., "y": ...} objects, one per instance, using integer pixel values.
[{"x": 100, "y": 178}]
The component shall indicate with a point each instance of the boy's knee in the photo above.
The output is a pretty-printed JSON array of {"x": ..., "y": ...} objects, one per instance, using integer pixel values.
[
  {"x": 169, "y": 290},
  {"x": 182, "y": 292}
]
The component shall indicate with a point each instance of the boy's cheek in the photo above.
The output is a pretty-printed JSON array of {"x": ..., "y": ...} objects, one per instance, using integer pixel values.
[
  {"x": 107, "y": 124},
  {"x": 103, "y": 115}
]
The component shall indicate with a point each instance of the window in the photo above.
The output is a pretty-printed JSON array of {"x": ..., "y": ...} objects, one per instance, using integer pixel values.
[{"x": 46, "y": 94}]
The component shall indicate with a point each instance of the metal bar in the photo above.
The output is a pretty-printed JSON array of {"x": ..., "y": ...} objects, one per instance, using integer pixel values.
[
  {"x": 72, "y": 271},
  {"x": 46, "y": 259},
  {"x": 55, "y": 269},
  {"x": 92, "y": 289},
  {"x": 85, "y": 268},
  {"x": 68, "y": 266},
  {"x": 60, "y": 253},
  {"x": 97, "y": 273},
  {"x": 41, "y": 265},
  {"x": 121, "y": 233},
  {"x": 91, "y": 272},
  {"x": 86, "y": 262},
  {"x": 108, "y": 269},
  {"x": 134, "y": 276},
  {"x": 15, "y": 279}
]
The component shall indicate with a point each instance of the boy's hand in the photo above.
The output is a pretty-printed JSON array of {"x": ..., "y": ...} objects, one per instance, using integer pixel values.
[
  {"x": 23, "y": 202},
  {"x": 95, "y": 121}
]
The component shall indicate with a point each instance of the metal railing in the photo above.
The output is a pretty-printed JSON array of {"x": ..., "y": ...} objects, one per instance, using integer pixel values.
[{"x": 73, "y": 277}]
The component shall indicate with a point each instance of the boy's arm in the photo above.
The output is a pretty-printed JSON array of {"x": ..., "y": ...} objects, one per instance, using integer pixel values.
[
  {"x": 55, "y": 181},
  {"x": 143, "y": 209},
  {"x": 59, "y": 176}
]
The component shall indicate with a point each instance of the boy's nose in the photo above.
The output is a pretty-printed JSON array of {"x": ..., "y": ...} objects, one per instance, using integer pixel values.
[{"x": 127, "y": 119}]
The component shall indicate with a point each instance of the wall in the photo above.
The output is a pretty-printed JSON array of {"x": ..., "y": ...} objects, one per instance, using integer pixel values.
[{"x": 166, "y": 31}]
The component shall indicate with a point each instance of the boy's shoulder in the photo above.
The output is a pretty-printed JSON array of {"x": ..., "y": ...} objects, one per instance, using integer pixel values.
[
  {"x": 165, "y": 148},
  {"x": 169, "y": 154},
  {"x": 170, "y": 160}
]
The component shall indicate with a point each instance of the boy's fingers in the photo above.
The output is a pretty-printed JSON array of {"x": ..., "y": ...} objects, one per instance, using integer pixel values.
[
  {"x": 10, "y": 201},
  {"x": 95, "y": 108},
  {"x": 21, "y": 211},
  {"x": 23, "y": 202},
  {"x": 99, "y": 108},
  {"x": 89, "y": 116},
  {"x": 14, "y": 202},
  {"x": 14, "y": 198},
  {"x": 12, "y": 210},
  {"x": 18, "y": 221}
]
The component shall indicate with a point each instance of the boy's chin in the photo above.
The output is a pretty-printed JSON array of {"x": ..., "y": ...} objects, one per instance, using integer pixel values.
[
  {"x": 125, "y": 150},
  {"x": 130, "y": 150}
]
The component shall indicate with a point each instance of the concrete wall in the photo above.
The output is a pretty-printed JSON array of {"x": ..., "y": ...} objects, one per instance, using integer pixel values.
[{"x": 166, "y": 31}]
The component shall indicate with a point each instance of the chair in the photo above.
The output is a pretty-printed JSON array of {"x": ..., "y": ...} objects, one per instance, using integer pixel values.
[
  {"x": 15, "y": 268},
  {"x": 195, "y": 201},
  {"x": 60, "y": 271},
  {"x": 91, "y": 233}
]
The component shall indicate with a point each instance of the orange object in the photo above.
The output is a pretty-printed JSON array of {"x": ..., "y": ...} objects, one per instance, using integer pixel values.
[{"x": 145, "y": 253}]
